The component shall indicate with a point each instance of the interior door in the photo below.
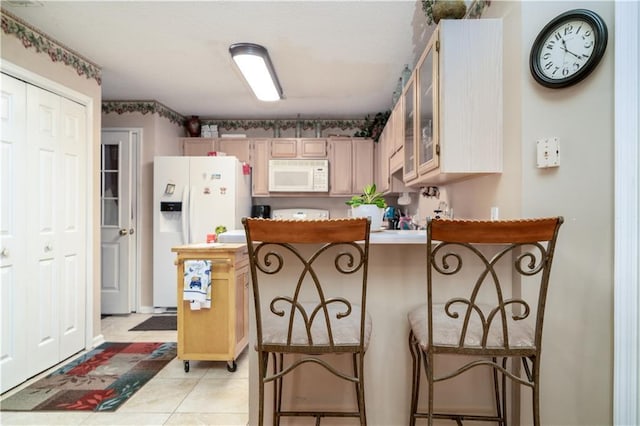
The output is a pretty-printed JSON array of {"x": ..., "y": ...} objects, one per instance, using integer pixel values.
[
  {"x": 117, "y": 246},
  {"x": 13, "y": 232}
]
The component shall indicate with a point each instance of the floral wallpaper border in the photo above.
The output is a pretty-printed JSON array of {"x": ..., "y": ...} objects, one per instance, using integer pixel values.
[
  {"x": 143, "y": 107},
  {"x": 285, "y": 124},
  {"x": 155, "y": 107},
  {"x": 31, "y": 37}
]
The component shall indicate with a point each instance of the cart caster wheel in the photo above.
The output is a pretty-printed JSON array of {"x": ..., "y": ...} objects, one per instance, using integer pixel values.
[
  {"x": 186, "y": 366},
  {"x": 231, "y": 366}
]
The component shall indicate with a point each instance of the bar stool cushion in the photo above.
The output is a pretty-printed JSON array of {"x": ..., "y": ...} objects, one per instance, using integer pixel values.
[
  {"x": 521, "y": 334},
  {"x": 345, "y": 330}
]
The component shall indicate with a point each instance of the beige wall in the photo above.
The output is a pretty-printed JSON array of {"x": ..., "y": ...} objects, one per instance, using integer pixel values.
[
  {"x": 159, "y": 137},
  {"x": 576, "y": 382},
  {"x": 13, "y": 51}
]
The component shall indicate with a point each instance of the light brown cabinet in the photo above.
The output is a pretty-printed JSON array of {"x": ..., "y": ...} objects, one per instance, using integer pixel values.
[
  {"x": 197, "y": 146},
  {"x": 237, "y": 147},
  {"x": 396, "y": 131},
  {"x": 260, "y": 150},
  {"x": 362, "y": 169},
  {"x": 388, "y": 170},
  {"x": 340, "y": 163},
  {"x": 313, "y": 148},
  {"x": 284, "y": 148},
  {"x": 427, "y": 147},
  {"x": 409, "y": 109},
  {"x": 298, "y": 148},
  {"x": 388, "y": 167},
  {"x": 453, "y": 109},
  {"x": 390, "y": 158},
  {"x": 381, "y": 159},
  {"x": 220, "y": 333},
  {"x": 351, "y": 165}
]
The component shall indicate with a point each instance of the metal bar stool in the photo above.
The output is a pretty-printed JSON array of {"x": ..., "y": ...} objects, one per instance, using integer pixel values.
[
  {"x": 299, "y": 322},
  {"x": 472, "y": 309}
]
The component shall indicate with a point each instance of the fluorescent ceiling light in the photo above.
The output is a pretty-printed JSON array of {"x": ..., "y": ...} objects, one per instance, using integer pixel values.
[{"x": 256, "y": 67}]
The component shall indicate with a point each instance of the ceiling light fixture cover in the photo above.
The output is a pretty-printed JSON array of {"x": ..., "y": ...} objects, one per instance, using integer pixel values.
[{"x": 256, "y": 67}]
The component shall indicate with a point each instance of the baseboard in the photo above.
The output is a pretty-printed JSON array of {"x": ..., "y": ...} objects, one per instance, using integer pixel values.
[
  {"x": 97, "y": 340},
  {"x": 147, "y": 310},
  {"x": 163, "y": 310}
]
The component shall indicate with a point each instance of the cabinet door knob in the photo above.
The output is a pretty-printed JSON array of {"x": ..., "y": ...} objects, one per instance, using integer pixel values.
[
  {"x": 48, "y": 247},
  {"x": 4, "y": 252}
]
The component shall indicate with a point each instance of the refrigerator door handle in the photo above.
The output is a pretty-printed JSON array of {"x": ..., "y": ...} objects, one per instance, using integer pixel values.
[{"x": 185, "y": 224}]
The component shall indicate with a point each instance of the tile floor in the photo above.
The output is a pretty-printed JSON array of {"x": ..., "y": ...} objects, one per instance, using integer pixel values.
[{"x": 207, "y": 395}]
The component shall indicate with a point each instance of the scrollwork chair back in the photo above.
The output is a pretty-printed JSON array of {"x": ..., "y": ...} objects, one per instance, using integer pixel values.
[
  {"x": 309, "y": 281},
  {"x": 487, "y": 285}
]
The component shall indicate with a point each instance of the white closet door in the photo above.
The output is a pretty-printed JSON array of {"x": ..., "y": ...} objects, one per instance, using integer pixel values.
[
  {"x": 71, "y": 226},
  {"x": 42, "y": 228},
  {"x": 44, "y": 244},
  {"x": 13, "y": 229}
]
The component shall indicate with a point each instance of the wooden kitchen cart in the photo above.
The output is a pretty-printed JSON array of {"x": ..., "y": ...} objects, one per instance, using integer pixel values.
[{"x": 220, "y": 333}]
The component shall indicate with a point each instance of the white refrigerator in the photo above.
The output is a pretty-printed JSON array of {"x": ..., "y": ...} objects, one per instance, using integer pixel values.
[{"x": 191, "y": 197}]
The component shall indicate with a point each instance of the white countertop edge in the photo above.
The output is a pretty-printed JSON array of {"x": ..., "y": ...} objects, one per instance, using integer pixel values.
[{"x": 381, "y": 237}]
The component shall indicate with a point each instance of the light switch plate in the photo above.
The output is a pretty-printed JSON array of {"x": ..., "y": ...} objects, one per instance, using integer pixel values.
[{"x": 548, "y": 153}]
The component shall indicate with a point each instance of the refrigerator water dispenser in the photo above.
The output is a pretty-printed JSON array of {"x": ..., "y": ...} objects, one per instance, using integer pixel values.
[{"x": 170, "y": 206}]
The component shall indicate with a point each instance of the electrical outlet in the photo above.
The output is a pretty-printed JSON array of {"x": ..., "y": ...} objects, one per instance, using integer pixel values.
[
  {"x": 495, "y": 213},
  {"x": 548, "y": 153}
]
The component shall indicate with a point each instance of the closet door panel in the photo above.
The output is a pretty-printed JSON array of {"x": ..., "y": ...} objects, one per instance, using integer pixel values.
[
  {"x": 42, "y": 320},
  {"x": 45, "y": 189},
  {"x": 13, "y": 233},
  {"x": 72, "y": 226}
]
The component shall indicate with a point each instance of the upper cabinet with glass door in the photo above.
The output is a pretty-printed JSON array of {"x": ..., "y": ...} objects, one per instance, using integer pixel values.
[
  {"x": 457, "y": 130},
  {"x": 409, "y": 109},
  {"x": 426, "y": 101}
]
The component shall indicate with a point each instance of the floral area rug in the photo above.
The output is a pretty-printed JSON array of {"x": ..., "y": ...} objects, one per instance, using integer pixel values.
[{"x": 100, "y": 380}]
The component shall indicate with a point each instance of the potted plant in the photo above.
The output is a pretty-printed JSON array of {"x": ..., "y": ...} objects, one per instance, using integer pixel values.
[
  {"x": 373, "y": 127},
  {"x": 368, "y": 204},
  {"x": 443, "y": 9}
]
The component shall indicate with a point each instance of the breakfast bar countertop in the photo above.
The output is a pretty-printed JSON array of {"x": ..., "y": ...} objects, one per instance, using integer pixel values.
[{"x": 380, "y": 237}]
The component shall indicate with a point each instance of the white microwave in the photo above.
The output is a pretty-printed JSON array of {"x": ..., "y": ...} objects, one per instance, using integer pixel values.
[{"x": 298, "y": 175}]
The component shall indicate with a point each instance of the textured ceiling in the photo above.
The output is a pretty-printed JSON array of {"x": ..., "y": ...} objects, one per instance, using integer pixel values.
[{"x": 334, "y": 59}]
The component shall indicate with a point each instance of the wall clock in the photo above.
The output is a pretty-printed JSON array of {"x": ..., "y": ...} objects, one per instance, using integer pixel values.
[{"x": 568, "y": 48}]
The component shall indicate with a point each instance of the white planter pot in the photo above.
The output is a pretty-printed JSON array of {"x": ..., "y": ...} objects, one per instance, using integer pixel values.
[{"x": 372, "y": 211}]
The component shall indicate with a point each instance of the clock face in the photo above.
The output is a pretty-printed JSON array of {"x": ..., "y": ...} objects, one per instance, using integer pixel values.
[{"x": 568, "y": 48}]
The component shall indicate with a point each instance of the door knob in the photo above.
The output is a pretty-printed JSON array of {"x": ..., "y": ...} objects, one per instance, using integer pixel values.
[
  {"x": 123, "y": 232},
  {"x": 5, "y": 252}
]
